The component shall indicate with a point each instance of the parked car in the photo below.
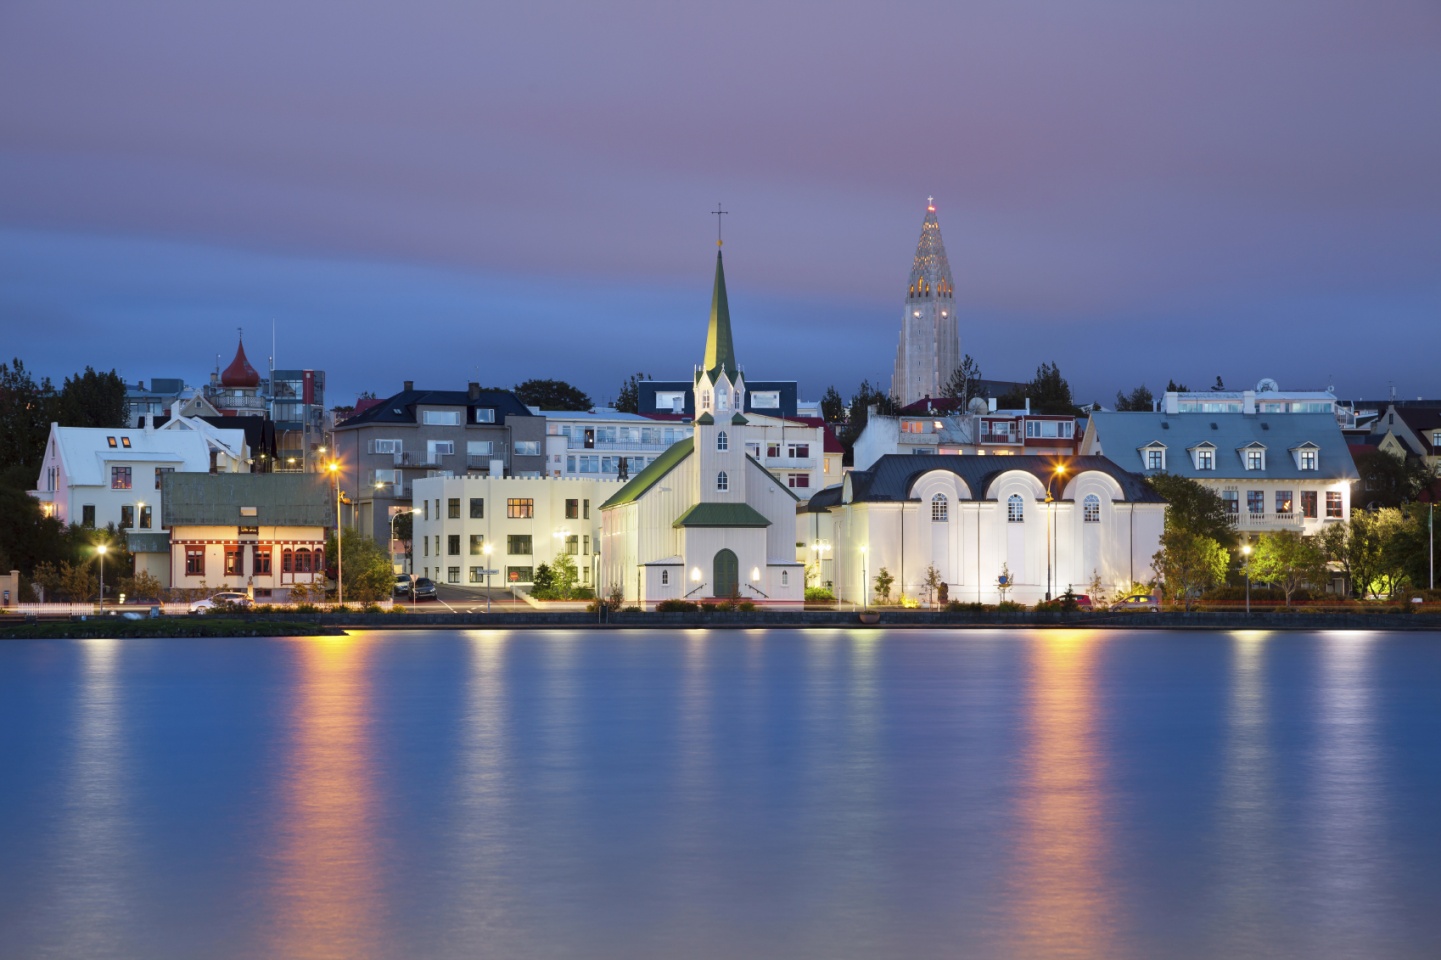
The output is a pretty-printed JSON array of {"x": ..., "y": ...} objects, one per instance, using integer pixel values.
[
  {"x": 1138, "y": 601},
  {"x": 226, "y": 599},
  {"x": 1083, "y": 602},
  {"x": 402, "y": 585},
  {"x": 425, "y": 589}
]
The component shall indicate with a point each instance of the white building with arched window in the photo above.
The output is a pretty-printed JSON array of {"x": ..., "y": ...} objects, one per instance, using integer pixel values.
[{"x": 975, "y": 518}]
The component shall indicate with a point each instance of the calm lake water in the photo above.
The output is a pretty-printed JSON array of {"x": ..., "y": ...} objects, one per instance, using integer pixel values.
[{"x": 723, "y": 794}]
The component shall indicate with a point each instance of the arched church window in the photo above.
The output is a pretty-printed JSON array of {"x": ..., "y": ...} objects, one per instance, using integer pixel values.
[
  {"x": 722, "y": 442},
  {"x": 722, "y": 482},
  {"x": 705, "y": 399},
  {"x": 1015, "y": 509},
  {"x": 940, "y": 511},
  {"x": 723, "y": 399},
  {"x": 738, "y": 399},
  {"x": 1091, "y": 511}
]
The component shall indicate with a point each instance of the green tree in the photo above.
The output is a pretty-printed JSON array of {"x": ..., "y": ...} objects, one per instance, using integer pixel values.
[
  {"x": 542, "y": 581},
  {"x": 1388, "y": 480},
  {"x": 1194, "y": 509},
  {"x": 27, "y": 536},
  {"x": 1288, "y": 560},
  {"x": 1188, "y": 564},
  {"x": 858, "y": 414},
  {"x": 552, "y": 395},
  {"x": 1139, "y": 399},
  {"x": 884, "y": 582},
  {"x": 964, "y": 380},
  {"x": 1371, "y": 549},
  {"x": 1174, "y": 387},
  {"x": 933, "y": 583},
  {"x": 628, "y": 399},
  {"x": 833, "y": 406},
  {"x": 369, "y": 575},
  {"x": 92, "y": 399},
  {"x": 564, "y": 575},
  {"x": 25, "y": 408},
  {"x": 1048, "y": 392}
]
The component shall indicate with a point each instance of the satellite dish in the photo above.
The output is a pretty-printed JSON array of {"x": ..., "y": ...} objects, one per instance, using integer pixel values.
[
  {"x": 1268, "y": 386},
  {"x": 978, "y": 405}
]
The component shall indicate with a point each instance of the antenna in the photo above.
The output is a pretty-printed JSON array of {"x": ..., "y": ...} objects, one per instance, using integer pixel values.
[{"x": 718, "y": 212}]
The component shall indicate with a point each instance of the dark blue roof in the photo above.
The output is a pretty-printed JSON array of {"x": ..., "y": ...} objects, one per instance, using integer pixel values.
[
  {"x": 892, "y": 476},
  {"x": 822, "y": 500},
  {"x": 401, "y": 407},
  {"x": 787, "y": 390}
]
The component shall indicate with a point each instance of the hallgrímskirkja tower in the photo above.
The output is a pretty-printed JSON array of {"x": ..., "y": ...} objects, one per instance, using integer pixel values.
[{"x": 930, "y": 347}]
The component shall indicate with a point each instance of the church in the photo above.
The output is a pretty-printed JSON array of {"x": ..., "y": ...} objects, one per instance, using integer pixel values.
[
  {"x": 930, "y": 345},
  {"x": 705, "y": 519}
]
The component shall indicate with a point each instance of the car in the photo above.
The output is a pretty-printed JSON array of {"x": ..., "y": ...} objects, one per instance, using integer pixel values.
[
  {"x": 224, "y": 599},
  {"x": 425, "y": 589},
  {"x": 402, "y": 585},
  {"x": 1138, "y": 601},
  {"x": 1083, "y": 602}
]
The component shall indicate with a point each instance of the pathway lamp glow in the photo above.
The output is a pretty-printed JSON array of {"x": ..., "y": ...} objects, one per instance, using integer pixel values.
[
  {"x": 1246, "y": 552},
  {"x": 334, "y": 468},
  {"x": 487, "y": 550},
  {"x": 100, "y": 552},
  {"x": 1060, "y": 471}
]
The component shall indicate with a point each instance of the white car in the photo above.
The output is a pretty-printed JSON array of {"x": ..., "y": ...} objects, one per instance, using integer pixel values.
[{"x": 231, "y": 599}]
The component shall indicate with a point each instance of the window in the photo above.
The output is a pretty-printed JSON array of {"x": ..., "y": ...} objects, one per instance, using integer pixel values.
[
  {"x": 145, "y": 517},
  {"x": 519, "y": 575},
  {"x": 940, "y": 510},
  {"x": 441, "y": 418},
  {"x": 766, "y": 400},
  {"x": 1155, "y": 459},
  {"x": 518, "y": 544},
  {"x": 1333, "y": 505},
  {"x": 1308, "y": 504},
  {"x": 723, "y": 398},
  {"x": 452, "y": 574},
  {"x": 479, "y": 448},
  {"x": 1015, "y": 509},
  {"x": 195, "y": 561},
  {"x": 773, "y": 450},
  {"x": 798, "y": 480},
  {"x": 527, "y": 448},
  {"x": 1308, "y": 459},
  {"x": 1232, "y": 499},
  {"x": 475, "y": 575},
  {"x": 722, "y": 482},
  {"x": 572, "y": 509},
  {"x": 452, "y": 544},
  {"x": 484, "y": 414},
  {"x": 260, "y": 560},
  {"x": 477, "y": 508},
  {"x": 798, "y": 451},
  {"x": 1205, "y": 459},
  {"x": 517, "y": 508},
  {"x": 87, "y": 515},
  {"x": 722, "y": 442},
  {"x": 1255, "y": 502},
  {"x": 425, "y": 510},
  {"x": 664, "y": 577},
  {"x": 232, "y": 561},
  {"x": 1255, "y": 459},
  {"x": 785, "y": 577},
  {"x": 1091, "y": 509},
  {"x": 1283, "y": 502},
  {"x": 1049, "y": 429},
  {"x": 585, "y": 509},
  {"x": 425, "y": 546},
  {"x": 705, "y": 398},
  {"x": 477, "y": 544},
  {"x": 385, "y": 446},
  {"x": 586, "y": 548},
  {"x": 110, "y": 442},
  {"x": 302, "y": 561},
  {"x": 440, "y": 448},
  {"x": 119, "y": 478},
  {"x": 572, "y": 545},
  {"x": 160, "y": 472},
  {"x": 913, "y": 426},
  {"x": 127, "y": 516},
  {"x": 452, "y": 508}
]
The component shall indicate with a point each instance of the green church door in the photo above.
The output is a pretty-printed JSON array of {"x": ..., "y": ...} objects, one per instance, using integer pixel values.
[{"x": 726, "y": 574}]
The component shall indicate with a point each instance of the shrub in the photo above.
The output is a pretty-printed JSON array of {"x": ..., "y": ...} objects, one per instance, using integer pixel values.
[
  {"x": 372, "y": 607},
  {"x": 1009, "y": 606},
  {"x": 676, "y": 606},
  {"x": 909, "y": 602},
  {"x": 725, "y": 606},
  {"x": 632, "y": 610},
  {"x": 819, "y": 595},
  {"x": 957, "y": 606},
  {"x": 306, "y": 608},
  {"x": 746, "y": 606}
]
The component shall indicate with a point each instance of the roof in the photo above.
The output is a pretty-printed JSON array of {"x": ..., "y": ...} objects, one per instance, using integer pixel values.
[
  {"x": 401, "y": 407},
  {"x": 85, "y": 452},
  {"x": 720, "y": 353},
  {"x": 636, "y": 486},
  {"x": 822, "y": 500},
  {"x": 892, "y": 476},
  {"x": 930, "y": 265},
  {"x": 1422, "y": 421},
  {"x": 721, "y": 515},
  {"x": 279, "y": 499},
  {"x": 240, "y": 373},
  {"x": 830, "y": 441},
  {"x": 1121, "y": 435}
]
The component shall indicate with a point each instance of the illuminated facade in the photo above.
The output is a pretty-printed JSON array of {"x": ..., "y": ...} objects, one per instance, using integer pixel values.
[{"x": 930, "y": 343}]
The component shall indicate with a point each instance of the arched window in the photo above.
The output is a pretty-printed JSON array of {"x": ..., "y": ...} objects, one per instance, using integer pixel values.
[
  {"x": 1091, "y": 511},
  {"x": 302, "y": 560},
  {"x": 722, "y": 482},
  {"x": 705, "y": 399},
  {"x": 939, "y": 509},
  {"x": 738, "y": 399},
  {"x": 722, "y": 399},
  {"x": 664, "y": 577},
  {"x": 785, "y": 578},
  {"x": 1015, "y": 509},
  {"x": 722, "y": 442}
]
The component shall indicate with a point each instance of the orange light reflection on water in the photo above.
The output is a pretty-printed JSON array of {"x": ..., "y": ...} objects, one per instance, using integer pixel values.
[
  {"x": 1063, "y": 905},
  {"x": 327, "y": 891}
]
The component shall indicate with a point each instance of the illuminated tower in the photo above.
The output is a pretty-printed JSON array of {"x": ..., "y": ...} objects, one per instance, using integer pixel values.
[{"x": 930, "y": 347}]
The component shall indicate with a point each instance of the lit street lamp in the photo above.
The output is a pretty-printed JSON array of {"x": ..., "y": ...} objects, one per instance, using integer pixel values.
[
  {"x": 1050, "y": 532},
  {"x": 485, "y": 549},
  {"x": 865, "y": 579},
  {"x": 1246, "y": 552},
  {"x": 334, "y": 468},
  {"x": 100, "y": 552}
]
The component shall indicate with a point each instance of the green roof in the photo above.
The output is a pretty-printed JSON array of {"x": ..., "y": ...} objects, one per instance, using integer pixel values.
[
  {"x": 739, "y": 420},
  {"x": 719, "y": 350},
  {"x": 269, "y": 499},
  {"x": 652, "y": 474},
  {"x": 721, "y": 515},
  {"x": 705, "y": 419}
]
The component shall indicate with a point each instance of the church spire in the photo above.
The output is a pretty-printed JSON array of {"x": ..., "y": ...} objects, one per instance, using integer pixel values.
[
  {"x": 930, "y": 271},
  {"x": 720, "y": 352}
]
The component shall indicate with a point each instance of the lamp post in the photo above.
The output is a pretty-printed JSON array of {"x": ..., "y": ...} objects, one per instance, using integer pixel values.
[
  {"x": 486, "y": 549},
  {"x": 1246, "y": 552},
  {"x": 100, "y": 552},
  {"x": 398, "y": 513},
  {"x": 1060, "y": 470},
  {"x": 865, "y": 579},
  {"x": 334, "y": 468}
]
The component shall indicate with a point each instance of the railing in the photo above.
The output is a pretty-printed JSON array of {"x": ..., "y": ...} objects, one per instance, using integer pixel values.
[
  {"x": 790, "y": 463},
  {"x": 476, "y": 460},
  {"x": 1005, "y": 438},
  {"x": 419, "y": 459},
  {"x": 389, "y": 490},
  {"x": 757, "y": 590},
  {"x": 1271, "y": 521}
]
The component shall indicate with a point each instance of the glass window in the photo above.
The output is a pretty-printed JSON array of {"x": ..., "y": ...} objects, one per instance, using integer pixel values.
[
  {"x": 705, "y": 398},
  {"x": 1015, "y": 509},
  {"x": 1155, "y": 459},
  {"x": 1255, "y": 502},
  {"x": 260, "y": 560},
  {"x": 232, "y": 561},
  {"x": 1333, "y": 505},
  {"x": 572, "y": 509},
  {"x": 160, "y": 472},
  {"x": 1205, "y": 459},
  {"x": 1308, "y": 459},
  {"x": 119, "y": 478},
  {"x": 722, "y": 442},
  {"x": 476, "y": 575},
  {"x": 441, "y": 418},
  {"x": 586, "y": 547},
  {"x": 87, "y": 515},
  {"x": 477, "y": 544},
  {"x": 785, "y": 577},
  {"x": 1091, "y": 509},
  {"x": 527, "y": 448},
  {"x": 518, "y": 544},
  {"x": 664, "y": 577},
  {"x": 145, "y": 517},
  {"x": 572, "y": 545},
  {"x": 1232, "y": 499},
  {"x": 479, "y": 448},
  {"x": 519, "y": 575},
  {"x": 940, "y": 512},
  {"x": 477, "y": 508},
  {"x": 798, "y": 451},
  {"x": 484, "y": 415},
  {"x": 127, "y": 516},
  {"x": 722, "y": 482},
  {"x": 195, "y": 561},
  {"x": 1255, "y": 459},
  {"x": 520, "y": 508},
  {"x": 1283, "y": 502},
  {"x": 452, "y": 508},
  {"x": 452, "y": 544},
  {"x": 585, "y": 509},
  {"x": 1308, "y": 504},
  {"x": 798, "y": 480}
]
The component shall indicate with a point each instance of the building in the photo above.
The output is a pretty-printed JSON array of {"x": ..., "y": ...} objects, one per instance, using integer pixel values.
[
  {"x": 930, "y": 344},
  {"x": 1267, "y": 398},
  {"x": 257, "y": 533},
  {"x": 1275, "y": 471},
  {"x": 705, "y": 519},
  {"x": 431, "y": 433},
  {"x": 160, "y": 398},
  {"x": 605, "y": 442},
  {"x": 977, "y": 520},
  {"x": 1410, "y": 429},
  {"x": 526, "y": 521},
  {"x": 293, "y": 400},
  {"x": 229, "y": 446},
  {"x": 980, "y": 431}
]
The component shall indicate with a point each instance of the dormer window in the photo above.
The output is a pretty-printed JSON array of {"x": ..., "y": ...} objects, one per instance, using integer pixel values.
[
  {"x": 1308, "y": 459},
  {"x": 1203, "y": 456},
  {"x": 110, "y": 442},
  {"x": 125, "y": 442},
  {"x": 1253, "y": 457},
  {"x": 1154, "y": 456}
]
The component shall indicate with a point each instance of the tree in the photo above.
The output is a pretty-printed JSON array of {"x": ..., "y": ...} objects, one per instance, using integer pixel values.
[
  {"x": 628, "y": 399},
  {"x": 1286, "y": 559},
  {"x": 884, "y": 582},
  {"x": 1369, "y": 550},
  {"x": 1174, "y": 387},
  {"x": 92, "y": 399},
  {"x": 27, "y": 536},
  {"x": 933, "y": 583},
  {"x": 1139, "y": 399},
  {"x": 143, "y": 586},
  {"x": 1048, "y": 392},
  {"x": 1188, "y": 564},
  {"x": 964, "y": 380},
  {"x": 542, "y": 581},
  {"x": 865, "y": 397},
  {"x": 564, "y": 575},
  {"x": 552, "y": 395},
  {"x": 1389, "y": 480},
  {"x": 405, "y": 532},
  {"x": 833, "y": 406},
  {"x": 1194, "y": 509},
  {"x": 369, "y": 574},
  {"x": 25, "y": 408}
]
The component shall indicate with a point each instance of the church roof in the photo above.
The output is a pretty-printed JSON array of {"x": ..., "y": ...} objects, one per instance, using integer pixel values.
[
  {"x": 637, "y": 486},
  {"x": 240, "y": 373},
  {"x": 893, "y": 476},
  {"x": 720, "y": 352},
  {"x": 930, "y": 269},
  {"x": 721, "y": 515}
]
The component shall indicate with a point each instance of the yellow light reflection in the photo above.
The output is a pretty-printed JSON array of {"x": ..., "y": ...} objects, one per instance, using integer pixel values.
[
  {"x": 1064, "y": 906},
  {"x": 327, "y": 893}
]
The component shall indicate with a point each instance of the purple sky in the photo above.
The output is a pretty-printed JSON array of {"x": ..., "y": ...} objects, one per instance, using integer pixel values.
[{"x": 445, "y": 191}]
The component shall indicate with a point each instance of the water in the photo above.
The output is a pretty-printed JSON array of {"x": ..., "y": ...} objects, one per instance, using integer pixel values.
[{"x": 723, "y": 794}]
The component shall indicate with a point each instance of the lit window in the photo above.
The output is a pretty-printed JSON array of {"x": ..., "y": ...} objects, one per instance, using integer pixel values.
[
  {"x": 1283, "y": 502},
  {"x": 520, "y": 508},
  {"x": 1091, "y": 509},
  {"x": 125, "y": 442},
  {"x": 1015, "y": 509},
  {"x": 1255, "y": 459},
  {"x": 1333, "y": 505},
  {"x": 940, "y": 512},
  {"x": 1308, "y": 459},
  {"x": 722, "y": 442}
]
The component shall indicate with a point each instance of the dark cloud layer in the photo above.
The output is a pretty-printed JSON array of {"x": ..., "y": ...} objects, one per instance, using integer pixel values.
[{"x": 1138, "y": 190}]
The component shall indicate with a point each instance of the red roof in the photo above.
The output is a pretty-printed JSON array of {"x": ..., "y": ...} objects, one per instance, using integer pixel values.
[
  {"x": 831, "y": 442},
  {"x": 240, "y": 373}
]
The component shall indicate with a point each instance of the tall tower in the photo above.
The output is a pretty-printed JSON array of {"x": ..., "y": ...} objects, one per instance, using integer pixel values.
[
  {"x": 930, "y": 347},
  {"x": 720, "y": 390}
]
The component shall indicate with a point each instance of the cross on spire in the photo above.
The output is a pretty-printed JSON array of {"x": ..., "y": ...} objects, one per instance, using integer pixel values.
[
  {"x": 718, "y": 212},
  {"x": 931, "y": 204}
]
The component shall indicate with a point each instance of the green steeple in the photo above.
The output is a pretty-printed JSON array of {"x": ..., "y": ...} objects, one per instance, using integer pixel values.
[{"x": 720, "y": 353}]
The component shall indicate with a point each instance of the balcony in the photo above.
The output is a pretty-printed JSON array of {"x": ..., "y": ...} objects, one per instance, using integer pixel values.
[
  {"x": 419, "y": 460},
  {"x": 790, "y": 463},
  {"x": 1267, "y": 521},
  {"x": 1005, "y": 439},
  {"x": 478, "y": 461},
  {"x": 389, "y": 491}
]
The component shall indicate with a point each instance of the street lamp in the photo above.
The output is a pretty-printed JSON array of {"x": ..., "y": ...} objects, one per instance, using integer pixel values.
[
  {"x": 1059, "y": 471},
  {"x": 1246, "y": 552},
  {"x": 334, "y": 468},
  {"x": 398, "y": 513},
  {"x": 485, "y": 549},
  {"x": 865, "y": 579},
  {"x": 100, "y": 552}
]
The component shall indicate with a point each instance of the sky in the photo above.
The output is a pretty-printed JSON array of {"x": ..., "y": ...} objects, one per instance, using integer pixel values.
[{"x": 448, "y": 191}]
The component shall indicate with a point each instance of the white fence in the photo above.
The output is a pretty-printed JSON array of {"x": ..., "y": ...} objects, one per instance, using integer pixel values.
[{"x": 167, "y": 609}]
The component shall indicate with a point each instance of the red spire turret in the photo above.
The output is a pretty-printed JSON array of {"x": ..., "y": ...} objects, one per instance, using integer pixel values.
[{"x": 240, "y": 373}]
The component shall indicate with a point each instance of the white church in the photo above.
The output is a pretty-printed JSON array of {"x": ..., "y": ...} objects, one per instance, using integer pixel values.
[{"x": 705, "y": 519}]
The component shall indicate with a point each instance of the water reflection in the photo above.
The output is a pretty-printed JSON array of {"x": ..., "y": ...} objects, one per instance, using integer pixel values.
[
  {"x": 328, "y": 899},
  {"x": 1064, "y": 905}
]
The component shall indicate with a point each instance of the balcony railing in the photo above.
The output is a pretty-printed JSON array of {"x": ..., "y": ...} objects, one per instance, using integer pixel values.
[
  {"x": 1269, "y": 521},
  {"x": 389, "y": 491},
  {"x": 1004, "y": 438},
  {"x": 419, "y": 459},
  {"x": 790, "y": 463}
]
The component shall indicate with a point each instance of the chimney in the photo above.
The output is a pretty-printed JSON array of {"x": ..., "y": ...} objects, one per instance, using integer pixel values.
[
  {"x": 474, "y": 391},
  {"x": 409, "y": 385}
]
